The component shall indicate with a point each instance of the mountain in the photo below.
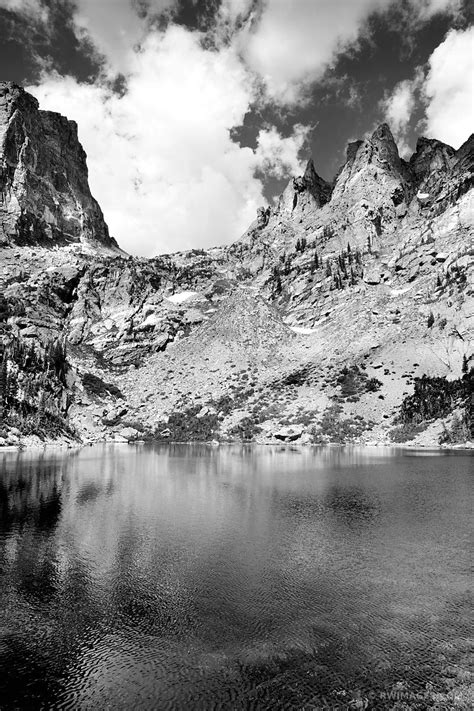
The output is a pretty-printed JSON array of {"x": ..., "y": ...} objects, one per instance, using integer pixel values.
[
  {"x": 44, "y": 191},
  {"x": 343, "y": 314}
]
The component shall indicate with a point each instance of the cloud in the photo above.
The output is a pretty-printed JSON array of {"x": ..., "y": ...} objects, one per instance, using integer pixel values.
[
  {"x": 115, "y": 26},
  {"x": 399, "y": 107},
  {"x": 279, "y": 156},
  {"x": 162, "y": 162},
  {"x": 448, "y": 88},
  {"x": 31, "y": 9},
  {"x": 442, "y": 90},
  {"x": 428, "y": 8},
  {"x": 290, "y": 45}
]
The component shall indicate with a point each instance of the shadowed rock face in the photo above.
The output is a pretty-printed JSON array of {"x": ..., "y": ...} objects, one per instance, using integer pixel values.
[{"x": 44, "y": 190}]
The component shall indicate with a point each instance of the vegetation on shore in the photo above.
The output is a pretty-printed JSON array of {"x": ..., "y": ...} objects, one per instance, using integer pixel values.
[
  {"x": 34, "y": 392},
  {"x": 435, "y": 398}
]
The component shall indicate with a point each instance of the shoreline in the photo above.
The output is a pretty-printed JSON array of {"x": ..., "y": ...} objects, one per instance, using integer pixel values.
[{"x": 68, "y": 445}]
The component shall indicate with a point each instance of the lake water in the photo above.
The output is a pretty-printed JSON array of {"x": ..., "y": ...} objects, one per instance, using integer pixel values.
[{"x": 192, "y": 577}]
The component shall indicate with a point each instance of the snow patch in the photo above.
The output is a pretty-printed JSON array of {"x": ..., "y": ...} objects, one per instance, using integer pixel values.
[
  {"x": 422, "y": 196},
  {"x": 303, "y": 330},
  {"x": 151, "y": 321},
  {"x": 399, "y": 292},
  {"x": 181, "y": 297}
]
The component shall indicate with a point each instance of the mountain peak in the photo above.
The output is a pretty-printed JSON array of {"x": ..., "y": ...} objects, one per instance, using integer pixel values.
[
  {"x": 383, "y": 133},
  {"x": 317, "y": 186},
  {"x": 43, "y": 177}
]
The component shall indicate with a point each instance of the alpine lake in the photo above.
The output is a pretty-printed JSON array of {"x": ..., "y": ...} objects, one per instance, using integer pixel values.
[{"x": 235, "y": 577}]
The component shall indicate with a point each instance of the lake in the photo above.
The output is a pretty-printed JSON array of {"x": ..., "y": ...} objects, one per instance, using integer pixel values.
[{"x": 192, "y": 577}]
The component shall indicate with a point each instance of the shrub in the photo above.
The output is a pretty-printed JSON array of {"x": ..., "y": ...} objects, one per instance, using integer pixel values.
[
  {"x": 459, "y": 430},
  {"x": 353, "y": 382},
  {"x": 334, "y": 429},
  {"x": 246, "y": 429},
  {"x": 185, "y": 426},
  {"x": 406, "y": 432},
  {"x": 224, "y": 404}
]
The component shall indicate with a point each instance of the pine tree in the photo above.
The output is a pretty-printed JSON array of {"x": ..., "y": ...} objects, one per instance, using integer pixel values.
[
  {"x": 465, "y": 364},
  {"x": 430, "y": 321},
  {"x": 3, "y": 383},
  {"x": 41, "y": 407},
  {"x": 4, "y": 308}
]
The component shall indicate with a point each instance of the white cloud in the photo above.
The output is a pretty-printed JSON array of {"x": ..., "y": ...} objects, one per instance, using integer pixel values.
[
  {"x": 449, "y": 89},
  {"x": 115, "y": 25},
  {"x": 162, "y": 163},
  {"x": 291, "y": 44},
  {"x": 429, "y": 8},
  {"x": 234, "y": 9},
  {"x": 398, "y": 109},
  {"x": 32, "y": 9},
  {"x": 280, "y": 155},
  {"x": 445, "y": 91},
  {"x": 400, "y": 106}
]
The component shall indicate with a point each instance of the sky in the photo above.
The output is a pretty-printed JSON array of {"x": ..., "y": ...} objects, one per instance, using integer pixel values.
[{"x": 194, "y": 113}]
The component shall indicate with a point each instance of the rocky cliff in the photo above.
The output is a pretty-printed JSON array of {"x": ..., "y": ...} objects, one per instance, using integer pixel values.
[
  {"x": 44, "y": 192},
  {"x": 343, "y": 314}
]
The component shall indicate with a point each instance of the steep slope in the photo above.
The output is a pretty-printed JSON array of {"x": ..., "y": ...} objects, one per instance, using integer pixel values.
[
  {"x": 44, "y": 192},
  {"x": 328, "y": 320}
]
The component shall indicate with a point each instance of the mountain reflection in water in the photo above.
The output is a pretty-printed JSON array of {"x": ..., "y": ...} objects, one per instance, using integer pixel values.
[{"x": 191, "y": 577}]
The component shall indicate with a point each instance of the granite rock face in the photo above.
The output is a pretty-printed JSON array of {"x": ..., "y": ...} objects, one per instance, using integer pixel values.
[
  {"x": 44, "y": 190},
  {"x": 317, "y": 320}
]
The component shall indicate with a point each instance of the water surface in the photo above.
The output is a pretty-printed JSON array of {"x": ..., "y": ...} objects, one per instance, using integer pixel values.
[{"x": 191, "y": 577}]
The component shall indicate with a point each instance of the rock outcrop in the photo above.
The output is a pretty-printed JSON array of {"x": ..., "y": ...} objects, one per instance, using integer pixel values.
[
  {"x": 315, "y": 325},
  {"x": 44, "y": 190}
]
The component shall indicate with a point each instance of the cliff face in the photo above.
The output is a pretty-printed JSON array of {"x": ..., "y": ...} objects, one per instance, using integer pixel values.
[
  {"x": 322, "y": 317},
  {"x": 44, "y": 190}
]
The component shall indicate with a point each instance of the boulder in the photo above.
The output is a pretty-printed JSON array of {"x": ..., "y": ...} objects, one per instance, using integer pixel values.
[
  {"x": 373, "y": 276},
  {"x": 288, "y": 434},
  {"x": 129, "y": 433}
]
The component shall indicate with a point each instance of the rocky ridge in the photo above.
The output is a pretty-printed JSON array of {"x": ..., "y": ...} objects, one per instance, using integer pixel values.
[{"x": 318, "y": 325}]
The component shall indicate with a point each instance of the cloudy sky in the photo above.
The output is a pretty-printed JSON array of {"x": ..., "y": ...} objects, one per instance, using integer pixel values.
[{"x": 195, "y": 112}]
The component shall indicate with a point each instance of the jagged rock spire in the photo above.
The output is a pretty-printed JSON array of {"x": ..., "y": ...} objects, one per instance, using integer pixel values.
[{"x": 317, "y": 186}]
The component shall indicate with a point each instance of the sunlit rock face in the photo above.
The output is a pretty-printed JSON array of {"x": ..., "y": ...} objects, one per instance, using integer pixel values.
[
  {"x": 373, "y": 188},
  {"x": 304, "y": 194},
  {"x": 440, "y": 174},
  {"x": 44, "y": 191}
]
